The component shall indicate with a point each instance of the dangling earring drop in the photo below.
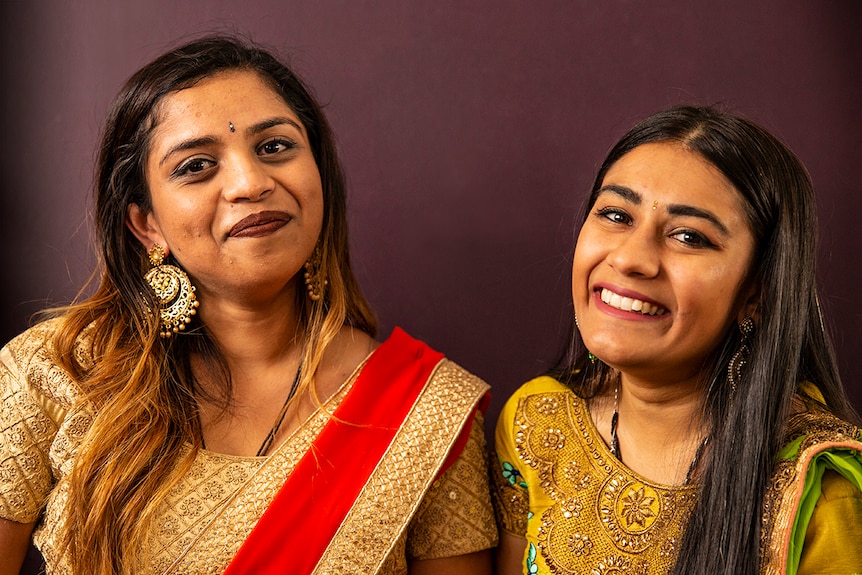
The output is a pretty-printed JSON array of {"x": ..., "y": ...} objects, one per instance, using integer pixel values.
[
  {"x": 593, "y": 359},
  {"x": 742, "y": 353},
  {"x": 315, "y": 279},
  {"x": 175, "y": 293}
]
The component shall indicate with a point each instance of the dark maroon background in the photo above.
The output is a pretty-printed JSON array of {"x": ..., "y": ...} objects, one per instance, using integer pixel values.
[{"x": 469, "y": 131}]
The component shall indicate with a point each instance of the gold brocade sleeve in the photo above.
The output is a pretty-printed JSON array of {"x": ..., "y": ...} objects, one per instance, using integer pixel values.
[
  {"x": 28, "y": 423},
  {"x": 456, "y": 517}
]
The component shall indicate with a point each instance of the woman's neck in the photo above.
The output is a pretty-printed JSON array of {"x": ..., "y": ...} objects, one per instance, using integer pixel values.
[
  {"x": 659, "y": 426},
  {"x": 253, "y": 333},
  {"x": 262, "y": 346}
]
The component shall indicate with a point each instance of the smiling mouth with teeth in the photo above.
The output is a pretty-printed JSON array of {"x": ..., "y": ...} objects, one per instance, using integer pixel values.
[{"x": 630, "y": 304}]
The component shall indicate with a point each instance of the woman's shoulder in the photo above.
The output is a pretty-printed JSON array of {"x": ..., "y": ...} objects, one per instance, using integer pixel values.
[
  {"x": 37, "y": 341},
  {"x": 816, "y": 480},
  {"x": 28, "y": 361},
  {"x": 812, "y": 425},
  {"x": 446, "y": 374},
  {"x": 460, "y": 378},
  {"x": 541, "y": 385},
  {"x": 539, "y": 390}
]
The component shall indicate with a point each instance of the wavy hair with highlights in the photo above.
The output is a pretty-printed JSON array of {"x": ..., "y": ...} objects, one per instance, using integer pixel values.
[{"x": 142, "y": 386}]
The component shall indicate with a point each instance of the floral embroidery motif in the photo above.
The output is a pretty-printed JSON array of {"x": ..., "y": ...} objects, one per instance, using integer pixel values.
[
  {"x": 574, "y": 474},
  {"x": 571, "y": 508},
  {"x": 637, "y": 508},
  {"x": 615, "y": 564},
  {"x": 547, "y": 405},
  {"x": 554, "y": 439},
  {"x": 580, "y": 544},
  {"x": 511, "y": 499},
  {"x": 630, "y": 511}
]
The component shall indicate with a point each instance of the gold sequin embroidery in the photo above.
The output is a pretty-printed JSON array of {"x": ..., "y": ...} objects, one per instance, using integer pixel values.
[{"x": 604, "y": 518}]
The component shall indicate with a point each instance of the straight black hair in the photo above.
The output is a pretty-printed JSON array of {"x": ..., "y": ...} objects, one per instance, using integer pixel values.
[{"x": 790, "y": 345}]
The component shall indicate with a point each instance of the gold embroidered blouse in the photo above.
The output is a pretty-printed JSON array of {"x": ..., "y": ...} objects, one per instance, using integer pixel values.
[
  {"x": 556, "y": 484},
  {"x": 207, "y": 515},
  {"x": 581, "y": 511}
]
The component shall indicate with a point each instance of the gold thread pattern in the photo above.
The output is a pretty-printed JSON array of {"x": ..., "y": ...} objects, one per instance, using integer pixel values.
[
  {"x": 395, "y": 488},
  {"x": 592, "y": 514},
  {"x": 819, "y": 430},
  {"x": 205, "y": 518}
]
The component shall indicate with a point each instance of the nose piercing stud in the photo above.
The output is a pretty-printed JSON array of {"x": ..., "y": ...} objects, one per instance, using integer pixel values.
[
  {"x": 232, "y": 129},
  {"x": 654, "y": 203}
]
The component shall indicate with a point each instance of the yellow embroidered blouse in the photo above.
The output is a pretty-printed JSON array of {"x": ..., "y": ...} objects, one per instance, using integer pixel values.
[
  {"x": 207, "y": 515},
  {"x": 557, "y": 485}
]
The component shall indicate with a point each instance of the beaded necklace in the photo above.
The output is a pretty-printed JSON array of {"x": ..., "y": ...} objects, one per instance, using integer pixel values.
[{"x": 615, "y": 442}]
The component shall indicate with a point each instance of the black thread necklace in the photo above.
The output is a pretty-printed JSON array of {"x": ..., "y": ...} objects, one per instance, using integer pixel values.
[
  {"x": 615, "y": 441},
  {"x": 270, "y": 437}
]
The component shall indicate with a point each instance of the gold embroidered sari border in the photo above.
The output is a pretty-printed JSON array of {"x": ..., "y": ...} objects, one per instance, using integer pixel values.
[{"x": 381, "y": 514}]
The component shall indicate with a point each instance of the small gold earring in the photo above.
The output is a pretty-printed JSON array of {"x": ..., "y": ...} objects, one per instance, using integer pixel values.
[{"x": 175, "y": 293}]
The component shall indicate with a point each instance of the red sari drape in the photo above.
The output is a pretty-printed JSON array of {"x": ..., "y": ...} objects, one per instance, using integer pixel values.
[{"x": 295, "y": 530}]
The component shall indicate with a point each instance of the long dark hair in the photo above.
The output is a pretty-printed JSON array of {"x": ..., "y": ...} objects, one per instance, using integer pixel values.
[
  {"x": 790, "y": 345},
  {"x": 145, "y": 393}
]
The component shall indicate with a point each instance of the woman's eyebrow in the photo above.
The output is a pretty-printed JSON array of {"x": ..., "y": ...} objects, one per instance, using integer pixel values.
[
  {"x": 691, "y": 211},
  {"x": 188, "y": 145},
  {"x": 625, "y": 193},
  {"x": 270, "y": 123}
]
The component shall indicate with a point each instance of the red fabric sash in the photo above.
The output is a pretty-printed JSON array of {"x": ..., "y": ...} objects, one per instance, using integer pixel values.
[{"x": 305, "y": 514}]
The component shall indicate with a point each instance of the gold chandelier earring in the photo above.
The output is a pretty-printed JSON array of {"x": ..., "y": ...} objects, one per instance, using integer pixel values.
[
  {"x": 315, "y": 278},
  {"x": 175, "y": 293}
]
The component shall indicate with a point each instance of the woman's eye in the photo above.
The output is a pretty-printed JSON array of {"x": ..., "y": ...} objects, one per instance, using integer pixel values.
[
  {"x": 692, "y": 238},
  {"x": 614, "y": 215},
  {"x": 275, "y": 146},
  {"x": 193, "y": 166}
]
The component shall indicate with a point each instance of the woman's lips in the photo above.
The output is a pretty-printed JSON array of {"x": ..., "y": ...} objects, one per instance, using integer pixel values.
[
  {"x": 260, "y": 224},
  {"x": 628, "y": 302}
]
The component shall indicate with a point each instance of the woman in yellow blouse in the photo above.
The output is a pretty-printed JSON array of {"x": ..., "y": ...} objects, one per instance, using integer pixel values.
[{"x": 698, "y": 425}]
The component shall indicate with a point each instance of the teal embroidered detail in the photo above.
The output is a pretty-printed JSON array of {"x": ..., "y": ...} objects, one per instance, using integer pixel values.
[
  {"x": 532, "y": 568},
  {"x": 511, "y": 474}
]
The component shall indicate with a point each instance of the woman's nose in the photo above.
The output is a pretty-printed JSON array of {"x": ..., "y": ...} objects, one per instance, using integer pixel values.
[
  {"x": 247, "y": 179},
  {"x": 636, "y": 253}
]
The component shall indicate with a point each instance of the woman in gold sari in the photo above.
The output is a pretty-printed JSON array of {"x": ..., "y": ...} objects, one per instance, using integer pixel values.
[
  {"x": 698, "y": 425},
  {"x": 220, "y": 403}
]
